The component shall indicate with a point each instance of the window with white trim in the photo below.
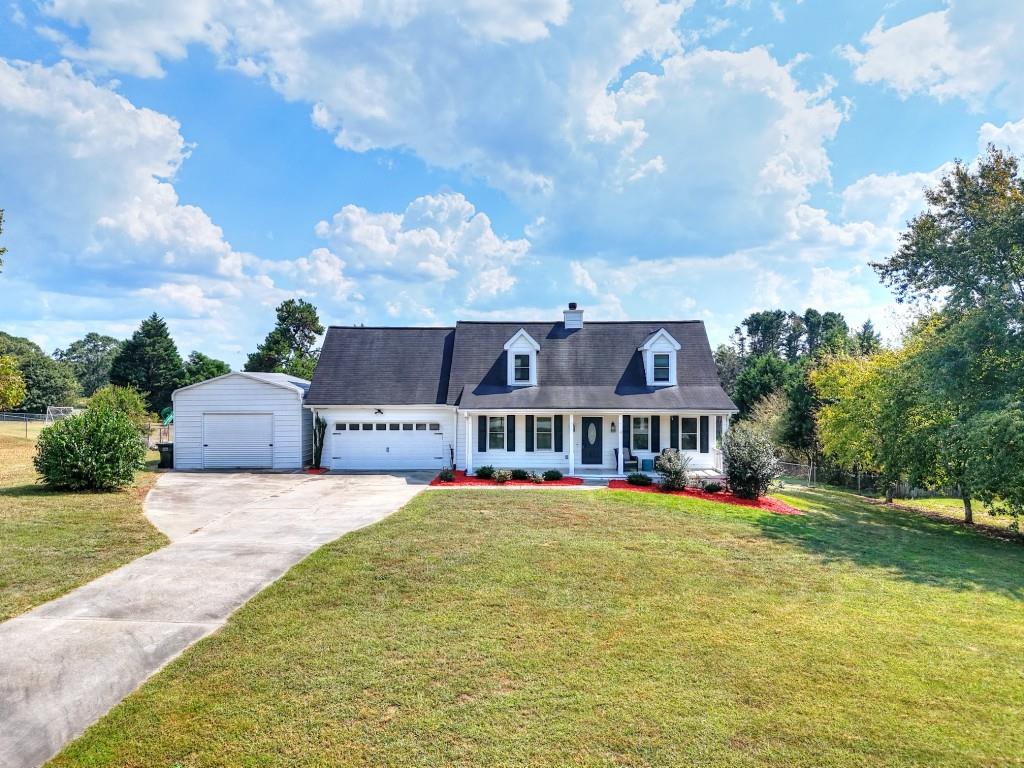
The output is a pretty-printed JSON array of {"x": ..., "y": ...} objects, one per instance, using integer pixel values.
[
  {"x": 522, "y": 368},
  {"x": 544, "y": 427},
  {"x": 496, "y": 433},
  {"x": 688, "y": 434},
  {"x": 662, "y": 367},
  {"x": 641, "y": 433}
]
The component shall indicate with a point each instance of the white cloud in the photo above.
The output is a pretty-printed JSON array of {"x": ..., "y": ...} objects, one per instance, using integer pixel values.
[
  {"x": 1009, "y": 136},
  {"x": 436, "y": 240},
  {"x": 970, "y": 50}
]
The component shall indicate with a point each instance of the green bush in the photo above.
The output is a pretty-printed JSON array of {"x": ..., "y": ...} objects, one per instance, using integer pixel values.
[
  {"x": 674, "y": 469},
  {"x": 751, "y": 465},
  {"x": 126, "y": 400},
  {"x": 446, "y": 475},
  {"x": 520, "y": 474},
  {"x": 713, "y": 487},
  {"x": 502, "y": 475},
  {"x": 100, "y": 449},
  {"x": 552, "y": 474},
  {"x": 535, "y": 478},
  {"x": 486, "y": 472},
  {"x": 638, "y": 478}
]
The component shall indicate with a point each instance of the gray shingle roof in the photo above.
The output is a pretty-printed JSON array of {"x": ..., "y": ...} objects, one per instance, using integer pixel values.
[
  {"x": 282, "y": 378},
  {"x": 596, "y": 366},
  {"x": 382, "y": 366}
]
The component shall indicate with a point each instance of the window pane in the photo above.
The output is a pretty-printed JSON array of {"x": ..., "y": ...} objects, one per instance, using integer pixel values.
[
  {"x": 435, "y": 427},
  {"x": 407, "y": 427},
  {"x": 718, "y": 431},
  {"x": 641, "y": 433},
  {"x": 688, "y": 434},
  {"x": 367, "y": 426},
  {"x": 496, "y": 432},
  {"x": 545, "y": 429},
  {"x": 661, "y": 367},
  {"x": 394, "y": 427},
  {"x": 381, "y": 427},
  {"x": 522, "y": 367},
  {"x": 421, "y": 427},
  {"x": 339, "y": 427}
]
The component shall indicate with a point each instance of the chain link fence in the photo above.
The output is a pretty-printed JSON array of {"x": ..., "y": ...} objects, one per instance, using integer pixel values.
[
  {"x": 867, "y": 483},
  {"x": 28, "y": 426}
]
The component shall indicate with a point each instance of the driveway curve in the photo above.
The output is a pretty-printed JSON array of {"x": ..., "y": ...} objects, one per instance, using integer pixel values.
[{"x": 67, "y": 662}]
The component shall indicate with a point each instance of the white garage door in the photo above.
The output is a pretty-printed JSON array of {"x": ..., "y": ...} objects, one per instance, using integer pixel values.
[
  {"x": 391, "y": 445},
  {"x": 238, "y": 440}
]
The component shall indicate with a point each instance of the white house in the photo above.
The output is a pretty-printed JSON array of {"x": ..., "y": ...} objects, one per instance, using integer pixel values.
[
  {"x": 243, "y": 420},
  {"x": 582, "y": 397}
]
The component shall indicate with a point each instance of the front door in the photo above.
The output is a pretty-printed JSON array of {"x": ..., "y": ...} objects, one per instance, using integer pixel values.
[{"x": 593, "y": 453}]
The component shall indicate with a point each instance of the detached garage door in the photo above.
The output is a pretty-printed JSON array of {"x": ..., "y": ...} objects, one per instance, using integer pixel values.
[
  {"x": 390, "y": 445},
  {"x": 238, "y": 440}
]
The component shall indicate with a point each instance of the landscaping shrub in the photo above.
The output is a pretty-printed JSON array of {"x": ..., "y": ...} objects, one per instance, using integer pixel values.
[
  {"x": 536, "y": 478},
  {"x": 319, "y": 431},
  {"x": 638, "y": 478},
  {"x": 486, "y": 472},
  {"x": 673, "y": 468},
  {"x": 127, "y": 400},
  {"x": 97, "y": 450},
  {"x": 751, "y": 465},
  {"x": 520, "y": 474},
  {"x": 713, "y": 487},
  {"x": 446, "y": 475},
  {"x": 552, "y": 474},
  {"x": 502, "y": 475}
]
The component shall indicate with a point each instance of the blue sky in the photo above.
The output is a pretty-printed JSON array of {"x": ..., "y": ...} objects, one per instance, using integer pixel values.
[{"x": 422, "y": 162}]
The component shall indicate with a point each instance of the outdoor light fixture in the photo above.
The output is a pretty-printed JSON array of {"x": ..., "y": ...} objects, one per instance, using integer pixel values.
[
  {"x": 378, "y": 412},
  {"x": 613, "y": 427}
]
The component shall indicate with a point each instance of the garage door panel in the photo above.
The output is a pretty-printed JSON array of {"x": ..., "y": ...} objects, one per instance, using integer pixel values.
[
  {"x": 238, "y": 440},
  {"x": 387, "y": 448}
]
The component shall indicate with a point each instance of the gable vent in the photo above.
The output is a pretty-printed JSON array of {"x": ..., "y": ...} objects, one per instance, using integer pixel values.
[{"x": 573, "y": 316}]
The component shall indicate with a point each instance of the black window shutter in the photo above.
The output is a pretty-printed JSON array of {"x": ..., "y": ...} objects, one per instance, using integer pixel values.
[
  {"x": 481, "y": 433},
  {"x": 673, "y": 428},
  {"x": 510, "y": 433},
  {"x": 703, "y": 434},
  {"x": 626, "y": 425},
  {"x": 656, "y": 433},
  {"x": 529, "y": 433},
  {"x": 558, "y": 432}
]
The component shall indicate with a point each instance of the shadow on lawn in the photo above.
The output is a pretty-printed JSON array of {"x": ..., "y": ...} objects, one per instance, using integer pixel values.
[{"x": 909, "y": 546}]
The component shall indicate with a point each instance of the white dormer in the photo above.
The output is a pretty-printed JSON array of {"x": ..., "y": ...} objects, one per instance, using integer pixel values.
[
  {"x": 660, "y": 352},
  {"x": 522, "y": 359}
]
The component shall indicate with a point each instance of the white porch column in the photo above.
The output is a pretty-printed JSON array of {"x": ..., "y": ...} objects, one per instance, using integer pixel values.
[
  {"x": 469, "y": 443},
  {"x": 572, "y": 447},
  {"x": 621, "y": 457}
]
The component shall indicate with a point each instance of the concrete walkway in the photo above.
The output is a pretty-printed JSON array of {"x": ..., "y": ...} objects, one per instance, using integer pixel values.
[{"x": 66, "y": 663}]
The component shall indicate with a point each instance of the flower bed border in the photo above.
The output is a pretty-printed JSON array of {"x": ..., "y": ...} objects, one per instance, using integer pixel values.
[
  {"x": 462, "y": 479},
  {"x": 766, "y": 503}
]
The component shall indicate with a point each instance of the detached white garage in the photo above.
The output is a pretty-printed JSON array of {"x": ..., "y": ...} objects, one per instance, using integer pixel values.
[{"x": 243, "y": 421}]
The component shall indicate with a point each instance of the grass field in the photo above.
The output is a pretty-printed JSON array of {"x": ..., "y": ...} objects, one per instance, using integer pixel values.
[
  {"x": 564, "y": 628},
  {"x": 26, "y": 430},
  {"x": 52, "y": 542}
]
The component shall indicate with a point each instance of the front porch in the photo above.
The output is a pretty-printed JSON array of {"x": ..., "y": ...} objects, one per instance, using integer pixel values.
[{"x": 590, "y": 444}]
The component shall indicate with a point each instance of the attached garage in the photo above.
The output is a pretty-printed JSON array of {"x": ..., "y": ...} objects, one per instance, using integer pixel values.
[
  {"x": 394, "y": 443},
  {"x": 243, "y": 421}
]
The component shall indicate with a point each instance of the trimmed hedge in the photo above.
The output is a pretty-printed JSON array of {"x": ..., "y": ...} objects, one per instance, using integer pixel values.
[{"x": 638, "y": 478}]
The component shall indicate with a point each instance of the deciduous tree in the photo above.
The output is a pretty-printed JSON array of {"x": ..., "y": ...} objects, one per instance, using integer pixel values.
[
  {"x": 90, "y": 358},
  {"x": 199, "y": 367},
  {"x": 12, "y": 385}
]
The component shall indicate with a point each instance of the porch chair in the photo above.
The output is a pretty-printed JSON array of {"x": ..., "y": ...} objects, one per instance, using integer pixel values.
[{"x": 629, "y": 461}]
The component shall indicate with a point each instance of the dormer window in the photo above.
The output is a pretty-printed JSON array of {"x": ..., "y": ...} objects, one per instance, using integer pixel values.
[
  {"x": 662, "y": 368},
  {"x": 659, "y": 354},
  {"x": 521, "y": 351},
  {"x": 522, "y": 369}
]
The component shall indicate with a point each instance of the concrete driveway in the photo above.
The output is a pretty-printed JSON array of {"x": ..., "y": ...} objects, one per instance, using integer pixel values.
[{"x": 66, "y": 663}]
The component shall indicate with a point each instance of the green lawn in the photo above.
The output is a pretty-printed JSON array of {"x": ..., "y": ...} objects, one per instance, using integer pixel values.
[
  {"x": 52, "y": 542},
  {"x": 567, "y": 628}
]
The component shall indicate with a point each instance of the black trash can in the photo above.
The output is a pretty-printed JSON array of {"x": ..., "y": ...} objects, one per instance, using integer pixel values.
[{"x": 166, "y": 455}]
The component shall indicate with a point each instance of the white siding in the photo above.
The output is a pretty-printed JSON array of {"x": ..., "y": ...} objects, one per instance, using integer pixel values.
[
  {"x": 236, "y": 393},
  {"x": 523, "y": 459},
  {"x": 442, "y": 415}
]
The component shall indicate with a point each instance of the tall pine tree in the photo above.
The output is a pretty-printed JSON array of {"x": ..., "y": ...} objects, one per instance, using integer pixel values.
[{"x": 149, "y": 361}]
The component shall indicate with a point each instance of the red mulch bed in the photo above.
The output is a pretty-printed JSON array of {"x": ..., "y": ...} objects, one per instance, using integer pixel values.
[
  {"x": 765, "y": 502},
  {"x": 461, "y": 478},
  {"x": 321, "y": 471}
]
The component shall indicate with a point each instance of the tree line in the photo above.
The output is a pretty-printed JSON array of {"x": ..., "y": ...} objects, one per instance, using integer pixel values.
[
  {"x": 149, "y": 362},
  {"x": 944, "y": 408}
]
